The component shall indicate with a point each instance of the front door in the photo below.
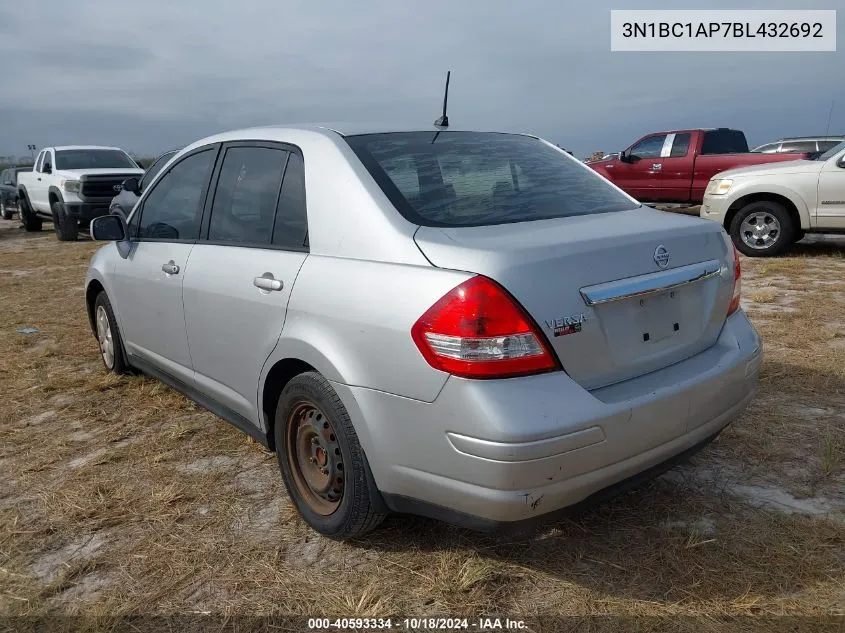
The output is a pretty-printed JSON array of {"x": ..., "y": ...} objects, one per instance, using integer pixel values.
[
  {"x": 148, "y": 283},
  {"x": 830, "y": 211},
  {"x": 639, "y": 177},
  {"x": 240, "y": 277}
]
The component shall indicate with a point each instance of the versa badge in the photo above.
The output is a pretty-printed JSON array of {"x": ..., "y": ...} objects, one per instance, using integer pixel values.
[{"x": 567, "y": 325}]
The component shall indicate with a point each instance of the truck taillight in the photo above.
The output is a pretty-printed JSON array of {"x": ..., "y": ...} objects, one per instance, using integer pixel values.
[
  {"x": 478, "y": 330},
  {"x": 734, "y": 305}
]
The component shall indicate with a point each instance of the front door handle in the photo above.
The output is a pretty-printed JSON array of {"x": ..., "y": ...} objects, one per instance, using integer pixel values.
[
  {"x": 267, "y": 282},
  {"x": 657, "y": 166},
  {"x": 170, "y": 268}
]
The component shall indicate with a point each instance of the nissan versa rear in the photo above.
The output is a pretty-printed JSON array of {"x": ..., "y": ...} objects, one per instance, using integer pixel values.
[{"x": 465, "y": 325}]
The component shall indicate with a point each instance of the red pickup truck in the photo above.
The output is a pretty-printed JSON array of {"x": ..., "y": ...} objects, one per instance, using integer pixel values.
[{"x": 676, "y": 166}]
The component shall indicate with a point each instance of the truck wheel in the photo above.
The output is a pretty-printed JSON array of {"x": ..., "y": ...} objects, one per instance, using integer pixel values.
[
  {"x": 67, "y": 229},
  {"x": 30, "y": 221},
  {"x": 5, "y": 210},
  {"x": 323, "y": 465},
  {"x": 762, "y": 229}
]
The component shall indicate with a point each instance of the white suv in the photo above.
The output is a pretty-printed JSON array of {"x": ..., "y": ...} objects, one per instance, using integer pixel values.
[{"x": 766, "y": 208}]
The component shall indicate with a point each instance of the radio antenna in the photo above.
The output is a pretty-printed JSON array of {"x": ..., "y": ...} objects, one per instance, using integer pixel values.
[{"x": 443, "y": 121}]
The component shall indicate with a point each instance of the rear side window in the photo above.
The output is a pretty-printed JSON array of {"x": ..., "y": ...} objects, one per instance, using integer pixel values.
[
  {"x": 769, "y": 148},
  {"x": 476, "y": 179},
  {"x": 291, "y": 228},
  {"x": 799, "y": 146},
  {"x": 826, "y": 145},
  {"x": 724, "y": 142},
  {"x": 40, "y": 161},
  {"x": 247, "y": 192},
  {"x": 680, "y": 146}
]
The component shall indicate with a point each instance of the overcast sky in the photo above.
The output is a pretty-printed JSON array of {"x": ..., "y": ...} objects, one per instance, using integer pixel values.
[{"x": 156, "y": 75}]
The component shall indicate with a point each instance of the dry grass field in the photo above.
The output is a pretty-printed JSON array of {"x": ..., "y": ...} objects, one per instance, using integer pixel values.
[{"x": 120, "y": 497}]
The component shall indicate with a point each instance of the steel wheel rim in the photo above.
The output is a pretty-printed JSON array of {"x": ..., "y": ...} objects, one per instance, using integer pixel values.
[
  {"x": 315, "y": 459},
  {"x": 104, "y": 336},
  {"x": 760, "y": 230}
]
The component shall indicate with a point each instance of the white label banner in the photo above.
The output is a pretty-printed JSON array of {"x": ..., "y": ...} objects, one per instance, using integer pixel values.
[{"x": 723, "y": 30}]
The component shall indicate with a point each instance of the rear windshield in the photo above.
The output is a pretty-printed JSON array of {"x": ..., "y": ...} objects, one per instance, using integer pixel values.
[
  {"x": 476, "y": 179},
  {"x": 93, "y": 159},
  {"x": 724, "y": 142}
]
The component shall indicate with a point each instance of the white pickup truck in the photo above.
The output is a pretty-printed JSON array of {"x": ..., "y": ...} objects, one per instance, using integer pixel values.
[
  {"x": 766, "y": 208},
  {"x": 70, "y": 186}
]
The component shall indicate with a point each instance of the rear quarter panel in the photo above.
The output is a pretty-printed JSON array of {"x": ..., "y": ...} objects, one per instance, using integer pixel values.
[{"x": 351, "y": 320}]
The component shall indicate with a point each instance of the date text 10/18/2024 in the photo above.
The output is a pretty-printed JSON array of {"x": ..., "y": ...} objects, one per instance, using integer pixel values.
[{"x": 417, "y": 624}]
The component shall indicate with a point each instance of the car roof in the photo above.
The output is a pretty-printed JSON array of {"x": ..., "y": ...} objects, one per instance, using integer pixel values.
[
  {"x": 272, "y": 132},
  {"x": 73, "y": 147},
  {"x": 809, "y": 138}
]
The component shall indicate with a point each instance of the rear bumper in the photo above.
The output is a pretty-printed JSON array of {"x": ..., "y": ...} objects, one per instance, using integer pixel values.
[
  {"x": 86, "y": 211},
  {"x": 513, "y": 450}
]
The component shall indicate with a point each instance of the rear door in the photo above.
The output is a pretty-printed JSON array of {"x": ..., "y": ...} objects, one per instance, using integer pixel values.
[
  {"x": 148, "y": 284},
  {"x": 640, "y": 177},
  {"x": 675, "y": 178},
  {"x": 241, "y": 274}
]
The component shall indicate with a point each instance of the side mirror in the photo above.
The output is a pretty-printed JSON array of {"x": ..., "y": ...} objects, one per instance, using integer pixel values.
[
  {"x": 131, "y": 185},
  {"x": 108, "y": 228},
  {"x": 47, "y": 168},
  {"x": 625, "y": 156}
]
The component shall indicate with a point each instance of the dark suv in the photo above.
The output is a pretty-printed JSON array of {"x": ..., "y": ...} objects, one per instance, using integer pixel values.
[
  {"x": 132, "y": 189},
  {"x": 9, "y": 191}
]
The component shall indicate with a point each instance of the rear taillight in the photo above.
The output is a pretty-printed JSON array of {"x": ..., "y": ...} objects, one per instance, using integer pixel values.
[
  {"x": 478, "y": 330},
  {"x": 734, "y": 305}
]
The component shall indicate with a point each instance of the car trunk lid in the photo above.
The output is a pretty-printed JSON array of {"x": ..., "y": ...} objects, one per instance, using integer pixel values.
[{"x": 618, "y": 294}]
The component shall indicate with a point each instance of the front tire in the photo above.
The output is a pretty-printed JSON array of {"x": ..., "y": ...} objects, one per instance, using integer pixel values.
[
  {"x": 67, "y": 229},
  {"x": 31, "y": 222},
  {"x": 108, "y": 336},
  {"x": 762, "y": 229},
  {"x": 323, "y": 465}
]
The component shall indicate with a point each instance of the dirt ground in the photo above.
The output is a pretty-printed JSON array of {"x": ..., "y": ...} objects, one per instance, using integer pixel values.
[{"x": 121, "y": 497}]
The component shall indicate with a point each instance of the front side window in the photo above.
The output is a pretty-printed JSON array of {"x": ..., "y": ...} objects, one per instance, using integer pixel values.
[
  {"x": 291, "y": 228},
  {"x": 833, "y": 151},
  {"x": 93, "y": 159},
  {"x": 160, "y": 162},
  {"x": 247, "y": 192},
  {"x": 650, "y": 147},
  {"x": 826, "y": 145},
  {"x": 476, "y": 179},
  {"x": 173, "y": 208}
]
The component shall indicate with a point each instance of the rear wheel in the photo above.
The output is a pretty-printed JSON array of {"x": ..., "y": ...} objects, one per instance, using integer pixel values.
[
  {"x": 30, "y": 221},
  {"x": 323, "y": 465},
  {"x": 6, "y": 210},
  {"x": 67, "y": 229},
  {"x": 762, "y": 229}
]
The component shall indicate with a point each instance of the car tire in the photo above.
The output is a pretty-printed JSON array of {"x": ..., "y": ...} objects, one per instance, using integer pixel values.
[
  {"x": 333, "y": 489},
  {"x": 5, "y": 210},
  {"x": 67, "y": 229},
  {"x": 762, "y": 229},
  {"x": 108, "y": 336},
  {"x": 31, "y": 222}
]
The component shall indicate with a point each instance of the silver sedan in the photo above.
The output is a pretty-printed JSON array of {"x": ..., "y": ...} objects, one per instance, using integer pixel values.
[{"x": 472, "y": 326}]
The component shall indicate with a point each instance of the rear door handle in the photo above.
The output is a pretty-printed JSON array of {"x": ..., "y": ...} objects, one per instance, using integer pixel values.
[
  {"x": 267, "y": 282},
  {"x": 170, "y": 268}
]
